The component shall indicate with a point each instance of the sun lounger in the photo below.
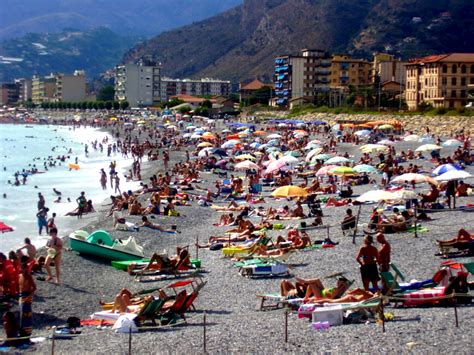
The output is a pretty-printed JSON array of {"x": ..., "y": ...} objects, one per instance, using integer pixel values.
[{"x": 265, "y": 270}]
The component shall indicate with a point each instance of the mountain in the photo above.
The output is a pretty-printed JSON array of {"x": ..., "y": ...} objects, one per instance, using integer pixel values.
[
  {"x": 126, "y": 17},
  {"x": 94, "y": 51},
  {"x": 241, "y": 43}
]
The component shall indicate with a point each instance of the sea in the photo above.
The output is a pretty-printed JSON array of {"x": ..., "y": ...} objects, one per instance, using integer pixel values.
[{"x": 25, "y": 147}]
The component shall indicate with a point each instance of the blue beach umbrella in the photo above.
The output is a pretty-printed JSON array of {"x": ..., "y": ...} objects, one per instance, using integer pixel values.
[{"x": 445, "y": 168}]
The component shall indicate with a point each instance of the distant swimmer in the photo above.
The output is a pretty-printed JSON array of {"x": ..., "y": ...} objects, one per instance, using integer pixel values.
[{"x": 57, "y": 192}]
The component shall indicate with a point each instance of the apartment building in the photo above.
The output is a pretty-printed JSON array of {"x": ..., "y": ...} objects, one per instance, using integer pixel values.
[
  {"x": 301, "y": 77},
  {"x": 9, "y": 93},
  {"x": 440, "y": 80},
  {"x": 24, "y": 87},
  {"x": 388, "y": 69},
  {"x": 43, "y": 89},
  {"x": 138, "y": 83},
  {"x": 347, "y": 71},
  {"x": 70, "y": 88},
  {"x": 199, "y": 87}
]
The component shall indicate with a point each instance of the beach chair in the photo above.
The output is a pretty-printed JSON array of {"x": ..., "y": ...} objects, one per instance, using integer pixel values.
[
  {"x": 278, "y": 301},
  {"x": 395, "y": 288},
  {"x": 150, "y": 311}
]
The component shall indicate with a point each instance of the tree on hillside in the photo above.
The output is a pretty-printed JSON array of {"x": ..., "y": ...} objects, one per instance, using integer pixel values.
[{"x": 107, "y": 93}]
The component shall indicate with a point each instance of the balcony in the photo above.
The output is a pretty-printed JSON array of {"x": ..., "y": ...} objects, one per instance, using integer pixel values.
[{"x": 325, "y": 62}]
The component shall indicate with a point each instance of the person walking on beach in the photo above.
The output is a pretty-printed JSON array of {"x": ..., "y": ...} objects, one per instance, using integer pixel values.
[
  {"x": 117, "y": 184},
  {"x": 81, "y": 204},
  {"x": 27, "y": 289},
  {"x": 368, "y": 257},
  {"x": 166, "y": 158},
  {"x": 55, "y": 246},
  {"x": 384, "y": 253},
  {"x": 42, "y": 217},
  {"x": 103, "y": 179}
]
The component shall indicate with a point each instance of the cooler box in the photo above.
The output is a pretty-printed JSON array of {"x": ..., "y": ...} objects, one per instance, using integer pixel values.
[{"x": 331, "y": 314}]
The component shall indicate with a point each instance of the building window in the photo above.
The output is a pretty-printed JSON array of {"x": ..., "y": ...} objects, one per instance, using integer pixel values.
[
  {"x": 471, "y": 81},
  {"x": 472, "y": 69},
  {"x": 444, "y": 81},
  {"x": 453, "y": 81},
  {"x": 463, "y": 69},
  {"x": 453, "y": 93},
  {"x": 463, "y": 93},
  {"x": 463, "y": 81},
  {"x": 454, "y": 69},
  {"x": 445, "y": 68}
]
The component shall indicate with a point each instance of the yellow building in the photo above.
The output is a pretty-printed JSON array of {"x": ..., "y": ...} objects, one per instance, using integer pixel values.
[
  {"x": 43, "y": 89},
  {"x": 439, "y": 80},
  {"x": 347, "y": 71}
]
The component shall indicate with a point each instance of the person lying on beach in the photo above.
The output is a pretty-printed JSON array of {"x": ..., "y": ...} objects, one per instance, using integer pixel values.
[
  {"x": 226, "y": 219},
  {"x": 463, "y": 236},
  {"x": 89, "y": 208},
  {"x": 294, "y": 240},
  {"x": 149, "y": 224},
  {"x": 165, "y": 263},
  {"x": 314, "y": 288},
  {"x": 356, "y": 295}
]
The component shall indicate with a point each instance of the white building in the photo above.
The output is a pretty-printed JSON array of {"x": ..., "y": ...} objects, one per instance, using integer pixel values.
[{"x": 139, "y": 84}]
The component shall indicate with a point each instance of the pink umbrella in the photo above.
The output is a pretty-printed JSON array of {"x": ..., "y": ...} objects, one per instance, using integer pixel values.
[
  {"x": 246, "y": 165},
  {"x": 275, "y": 166},
  {"x": 325, "y": 170}
]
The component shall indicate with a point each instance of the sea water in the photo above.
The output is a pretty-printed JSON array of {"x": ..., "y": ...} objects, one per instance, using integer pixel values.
[{"x": 22, "y": 146}]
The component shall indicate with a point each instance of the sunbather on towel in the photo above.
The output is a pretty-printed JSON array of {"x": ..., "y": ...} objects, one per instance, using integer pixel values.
[
  {"x": 316, "y": 289},
  {"x": 462, "y": 237},
  {"x": 163, "y": 262},
  {"x": 295, "y": 240},
  {"x": 356, "y": 295}
]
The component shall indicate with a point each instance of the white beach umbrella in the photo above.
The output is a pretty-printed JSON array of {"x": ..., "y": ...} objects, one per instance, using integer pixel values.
[
  {"x": 413, "y": 177},
  {"x": 376, "y": 196},
  {"x": 274, "y": 136},
  {"x": 426, "y": 139},
  {"x": 452, "y": 143},
  {"x": 336, "y": 160},
  {"x": 453, "y": 175},
  {"x": 313, "y": 153},
  {"x": 386, "y": 142},
  {"x": 246, "y": 165},
  {"x": 428, "y": 148}
]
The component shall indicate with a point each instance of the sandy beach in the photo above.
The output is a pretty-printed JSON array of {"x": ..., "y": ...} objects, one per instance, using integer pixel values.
[{"x": 228, "y": 301}]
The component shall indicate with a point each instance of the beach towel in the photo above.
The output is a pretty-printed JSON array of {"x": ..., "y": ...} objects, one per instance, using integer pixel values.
[{"x": 423, "y": 296}]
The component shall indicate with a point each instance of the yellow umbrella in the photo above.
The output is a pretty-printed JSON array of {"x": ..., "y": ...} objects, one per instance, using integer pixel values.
[
  {"x": 373, "y": 148},
  {"x": 113, "y": 118},
  {"x": 343, "y": 171},
  {"x": 208, "y": 135},
  {"x": 290, "y": 191},
  {"x": 242, "y": 135},
  {"x": 204, "y": 144},
  {"x": 245, "y": 157},
  {"x": 259, "y": 133}
]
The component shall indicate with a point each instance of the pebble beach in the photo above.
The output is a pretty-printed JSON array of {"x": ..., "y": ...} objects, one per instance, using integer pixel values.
[{"x": 228, "y": 304}]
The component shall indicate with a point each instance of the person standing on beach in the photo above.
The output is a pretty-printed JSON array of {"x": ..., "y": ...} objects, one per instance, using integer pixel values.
[
  {"x": 384, "y": 253},
  {"x": 368, "y": 257},
  {"x": 41, "y": 201},
  {"x": 81, "y": 204},
  {"x": 51, "y": 223},
  {"x": 42, "y": 217},
  {"x": 117, "y": 184},
  {"x": 103, "y": 179},
  {"x": 111, "y": 174},
  {"x": 166, "y": 158},
  {"x": 55, "y": 246},
  {"x": 27, "y": 290}
]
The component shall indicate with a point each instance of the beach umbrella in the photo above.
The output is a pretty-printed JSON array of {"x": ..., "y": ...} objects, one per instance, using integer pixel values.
[
  {"x": 365, "y": 168},
  {"x": 255, "y": 145},
  {"x": 219, "y": 152},
  {"x": 376, "y": 196},
  {"x": 190, "y": 128},
  {"x": 453, "y": 175},
  {"x": 282, "y": 125},
  {"x": 385, "y": 127},
  {"x": 113, "y": 119},
  {"x": 173, "y": 127},
  {"x": 274, "y": 136},
  {"x": 325, "y": 170},
  {"x": 411, "y": 138},
  {"x": 205, "y": 151},
  {"x": 259, "y": 133},
  {"x": 289, "y": 159},
  {"x": 444, "y": 168},
  {"x": 413, "y": 177},
  {"x": 290, "y": 191},
  {"x": 196, "y": 136},
  {"x": 273, "y": 142},
  {"x": 226, "y": 130},
  {"x": 337, "y": 160},
  {"x": 323, "y": 157},
  {"x": 275, "y": 166},
  {"x": 452, "y": 143},
  {"x": 246, "y": 165},
  {"x": 311, "y": 146},
  {"x": 315, "y": 141},
  {"x": 362, "y": 133},
  {"x": 4, "y": 228},
  {"x": 244, "y": 157},
  {"x": 208, "y": 135},
  {"x": 428, "y": 148},
  {"x": 386, "y": 142},
  {"x": 373, "y": 148},
  {"x": 405, "y": 194},
  {"x": 228, "y": 144},
  {"x": 313, "y": 153},
  {"x": 187, "y": 135},
  {"x": 293, "y": 153},
  {"x": 221, "y": 162},
  {"x": 343, "y": 171},
  {"x": 204, "y": 145}
]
